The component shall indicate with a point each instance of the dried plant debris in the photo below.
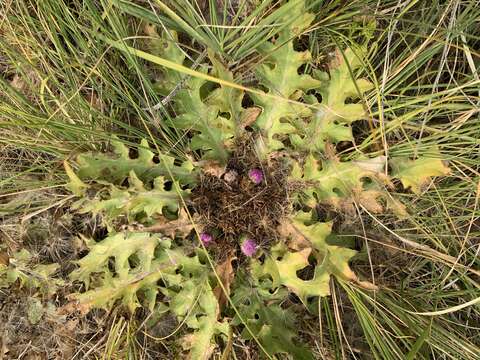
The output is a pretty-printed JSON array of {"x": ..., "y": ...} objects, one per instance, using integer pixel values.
[
  {"x": 250, "y": 198},
  {"x": 32, "y": 326}
]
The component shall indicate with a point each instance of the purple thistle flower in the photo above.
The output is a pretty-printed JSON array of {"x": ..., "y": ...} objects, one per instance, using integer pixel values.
[
  {"x": 249, "y": 247},
  {"x": 205, "y": 238},
  {"x": 256, "y": 175}
]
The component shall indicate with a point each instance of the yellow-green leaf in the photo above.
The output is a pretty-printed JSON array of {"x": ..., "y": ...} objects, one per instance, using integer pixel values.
[
  {"x": 76, "y": 186},
  {"x": 415, "y": 174},
  {"x": 284, "y": 264},
  {"x": 279, "y": 74}
]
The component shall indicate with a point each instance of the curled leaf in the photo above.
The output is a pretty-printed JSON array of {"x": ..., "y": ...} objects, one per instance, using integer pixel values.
[
  {"x": 415, "y": 174},
  {"x": 226, "y": 274},
  {"x": 76, "y": 186}
]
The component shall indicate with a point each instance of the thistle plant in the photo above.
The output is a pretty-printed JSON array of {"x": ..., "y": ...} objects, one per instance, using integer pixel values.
[{"x": 250, "y": 195}]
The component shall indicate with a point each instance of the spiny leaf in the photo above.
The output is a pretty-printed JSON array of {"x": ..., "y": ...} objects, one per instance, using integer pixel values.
[
  {"x": 331, "y": 122},
  {"x": 415, "y": 174},
  {"x": 342, "y": 86},
  {"x": 140, "y": 261},
  {"x": 272, "y": 325},
  {"x": 341, "y": 183},
  {"x": 184, "y": 290},
  {"x": 330, "y": 258},
  {"x": 279, "y": 73},
  {"x": 37, "y": 276},
  {"x": 198, "y": 105},
  {"x": 313, "y": 135},
  {"x": 201, "y": 342},
  {"x": 212, "y": 131},
  {"x": 165, "y": 45},
  {"x": 196, "y": 305},
  {"x": 283, "y": 264},
  {"x": 35, "y": 310},
  {"x": 204, "y": 113},
  {"x": 228, "y": 100},
  {"x": 116, "y": 168},
  {"x": 136, "y": 200}
]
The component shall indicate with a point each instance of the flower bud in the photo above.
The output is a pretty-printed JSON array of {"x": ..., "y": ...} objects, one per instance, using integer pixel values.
[
  {"x": 256, "y": 175},
  {"x": 249, "y": 247},
  {"x": 206, "y": 238}
]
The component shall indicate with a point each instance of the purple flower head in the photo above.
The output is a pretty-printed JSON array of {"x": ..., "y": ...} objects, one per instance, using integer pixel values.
[
  {"x": 206, "y": 238},
  {"x": 249, "y": 247},
  {"x": 256, "y": 175}
]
